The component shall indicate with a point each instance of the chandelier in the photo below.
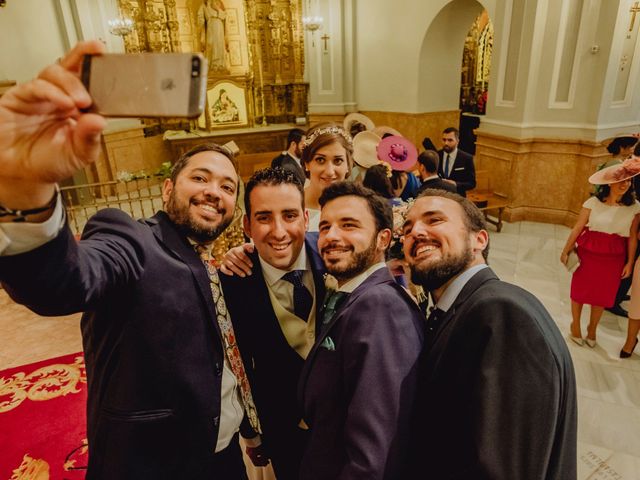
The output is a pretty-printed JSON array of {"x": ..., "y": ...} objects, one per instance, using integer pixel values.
[
  {"x": 312, "y": 23},
  {"x": 120, "y": 26}
]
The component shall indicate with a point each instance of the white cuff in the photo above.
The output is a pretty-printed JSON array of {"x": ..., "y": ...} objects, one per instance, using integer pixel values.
[{"x": 22, "y": 237}]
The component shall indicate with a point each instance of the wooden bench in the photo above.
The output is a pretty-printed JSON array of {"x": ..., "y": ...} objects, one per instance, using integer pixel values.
[
  {"x": 251, "y": 162},
  {"x": 487, "y": 200}
]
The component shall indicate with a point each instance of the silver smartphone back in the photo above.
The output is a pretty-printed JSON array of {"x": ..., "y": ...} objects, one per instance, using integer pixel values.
[{"x": 146, "y": 84}]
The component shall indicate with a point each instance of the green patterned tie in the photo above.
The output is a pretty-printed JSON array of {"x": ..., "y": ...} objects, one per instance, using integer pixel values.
[{"x": 331, "y": 304}]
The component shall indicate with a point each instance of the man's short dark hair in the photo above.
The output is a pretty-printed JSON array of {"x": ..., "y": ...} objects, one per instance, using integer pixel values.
[
  {"x": 378, "y": 206},
  {"x": 182, "y": 162},
  {"x": 452, "y": 130},
  {"x": 429, "y": 160},
  {"x": 473, "y": 218},
  {"x": 295, "y": 135},
  {"x": 271, "y": 177}
]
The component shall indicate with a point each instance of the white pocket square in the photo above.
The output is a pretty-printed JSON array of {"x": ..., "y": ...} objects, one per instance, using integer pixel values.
[
  {"x": 459, "y": 168},
  {"x": 328, "y": 344}
]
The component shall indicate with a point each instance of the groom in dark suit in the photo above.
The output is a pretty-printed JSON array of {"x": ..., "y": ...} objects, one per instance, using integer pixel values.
[
  {"x": 456, "y": 166},
  {"x": 358, "y": 384},
  {"x": 275, "y": 310},
  {"x": 497, "y": 388}
]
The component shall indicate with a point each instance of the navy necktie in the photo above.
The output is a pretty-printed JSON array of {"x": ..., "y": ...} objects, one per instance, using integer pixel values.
[
  {"x": 446, "y": 167},
  {"x": 302, "y": 299}
]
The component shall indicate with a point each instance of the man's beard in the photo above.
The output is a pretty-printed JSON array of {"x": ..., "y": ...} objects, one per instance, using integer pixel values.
[
  {"x": 359, "y": 262},
  {"x": 436, "y": 274},
  {"x": 179, "y": 215}
]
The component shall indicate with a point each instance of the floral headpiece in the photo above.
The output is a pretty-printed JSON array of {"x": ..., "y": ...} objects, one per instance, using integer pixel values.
[{"x": 308, "y": 140}]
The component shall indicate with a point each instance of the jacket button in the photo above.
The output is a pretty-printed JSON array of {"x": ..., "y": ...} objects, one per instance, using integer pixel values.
[
  {"x": 216, "y": 421},
  {"x": 218, "y": 369}
]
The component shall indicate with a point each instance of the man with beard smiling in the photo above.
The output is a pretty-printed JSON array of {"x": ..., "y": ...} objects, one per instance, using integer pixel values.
[
  {"x": 497, "y": 396},
  {"x": 357, "y": 388},
  {"x": 167, "y": 390}
]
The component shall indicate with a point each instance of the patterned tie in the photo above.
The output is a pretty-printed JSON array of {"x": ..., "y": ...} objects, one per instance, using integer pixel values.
[
  {"x": 446, "y": 167},
  {"x": 331, "y": 304},
  {"x": 229, "y": 338},
  {"x": 302, "y": 299}
]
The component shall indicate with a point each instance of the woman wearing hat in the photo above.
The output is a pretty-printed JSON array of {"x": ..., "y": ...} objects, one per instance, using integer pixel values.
[
  {"x": 326, "y": 158},
  {"x": 605, "y": 239}
]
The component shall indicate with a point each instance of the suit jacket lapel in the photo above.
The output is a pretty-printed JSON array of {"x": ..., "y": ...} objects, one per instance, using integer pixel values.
[
  {"x": 166, "y": 233},
  {"x": 470, "y": 287},
  {"x": 318, "y": 271},
  {"x": 379, "y": 276}
]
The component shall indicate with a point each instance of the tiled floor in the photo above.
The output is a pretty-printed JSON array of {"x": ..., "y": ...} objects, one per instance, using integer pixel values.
[{"x": 523, "y": 253}]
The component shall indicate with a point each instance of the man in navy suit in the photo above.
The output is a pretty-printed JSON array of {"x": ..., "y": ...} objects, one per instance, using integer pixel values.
[
  {"x": 357, "y": 387},
  {"x": 497, "y": 389},
  {"x": 275, "y": 314},
  {"x": 165, "y": 400},
  {"x": 456, "y": 166},
  {"x": 290, "y": 158}
]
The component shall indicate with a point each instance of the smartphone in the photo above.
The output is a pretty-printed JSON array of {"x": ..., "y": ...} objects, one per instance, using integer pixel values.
[{"x": 146, "y": 84}]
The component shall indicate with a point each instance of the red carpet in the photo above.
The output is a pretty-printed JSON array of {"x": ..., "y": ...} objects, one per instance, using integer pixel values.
[{"x": 42, "y": 420}]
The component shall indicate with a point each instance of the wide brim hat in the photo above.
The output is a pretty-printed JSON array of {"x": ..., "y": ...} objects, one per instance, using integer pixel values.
[
  {"x": 382, "y": 130},
  {"x": 398, "y": 152},
  {"x": 352, "y": 118},
  {"x": 365, "y": 146},
  {"x": 633, "y": 135},
  {"x": 617, "y": 173}
]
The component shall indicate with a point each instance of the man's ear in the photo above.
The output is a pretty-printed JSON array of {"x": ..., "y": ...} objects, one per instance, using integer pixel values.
[
  {"x": 480, "y": 241},
  {"x": 383, "y": 239},
  {"x": 167, "y": 188}
]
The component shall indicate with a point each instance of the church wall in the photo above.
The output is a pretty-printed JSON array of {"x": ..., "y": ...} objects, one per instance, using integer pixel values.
[
  {"x": 545, "y": 180},
  {"x": 30, "y": 37}
]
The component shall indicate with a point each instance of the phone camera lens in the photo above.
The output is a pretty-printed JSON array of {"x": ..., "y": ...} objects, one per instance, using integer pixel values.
[{"x": 195, "y": 67}]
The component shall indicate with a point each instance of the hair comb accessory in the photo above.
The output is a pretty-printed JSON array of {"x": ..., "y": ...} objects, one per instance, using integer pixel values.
[{"x": 308, "y": 140}]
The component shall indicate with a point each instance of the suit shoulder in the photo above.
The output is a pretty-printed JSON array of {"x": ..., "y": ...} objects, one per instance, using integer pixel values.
[{"x": 112, "y": 221}]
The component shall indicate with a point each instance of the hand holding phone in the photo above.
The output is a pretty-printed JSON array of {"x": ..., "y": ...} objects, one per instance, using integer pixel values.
[{"x": 146, "y": 84}]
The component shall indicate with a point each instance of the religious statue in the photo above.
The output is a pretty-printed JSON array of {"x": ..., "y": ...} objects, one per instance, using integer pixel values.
[
  {"x": 211, "y": 20},
  {"x": 224, "y": 110}
]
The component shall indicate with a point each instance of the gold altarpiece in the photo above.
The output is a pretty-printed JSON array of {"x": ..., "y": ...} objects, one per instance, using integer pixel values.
[
  {"x": 263, "y": 54},
  {"x": 476, "y": 65}
]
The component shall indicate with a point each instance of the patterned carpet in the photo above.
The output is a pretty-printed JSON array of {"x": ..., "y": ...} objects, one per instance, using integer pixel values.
[{"x": 42, "y": 420}]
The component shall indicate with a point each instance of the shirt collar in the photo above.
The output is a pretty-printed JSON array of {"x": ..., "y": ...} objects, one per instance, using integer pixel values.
[
  {"x": 435, "y": 175},
  {"x": 355, "y": 282},
  {"x": 273, "y": 274},
  {"x": 452, "y": 154},
  {"x": 453, "y": 290}
]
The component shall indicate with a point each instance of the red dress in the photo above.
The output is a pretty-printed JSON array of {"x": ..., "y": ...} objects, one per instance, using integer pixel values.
[
  {"x": 602, "y": 249},
  {"x": 602, "y": 258}
]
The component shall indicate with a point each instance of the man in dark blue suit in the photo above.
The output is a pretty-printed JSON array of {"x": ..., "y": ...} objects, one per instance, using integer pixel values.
[
  {"x": 275, "y": 310},
  {"x": 358, "y": 384},
  {"x": 497, "y": 389},
  {"x": 290, "y": 158},
  {"x": 456, "y": 166},
  {"x": 166, "y": 392}
]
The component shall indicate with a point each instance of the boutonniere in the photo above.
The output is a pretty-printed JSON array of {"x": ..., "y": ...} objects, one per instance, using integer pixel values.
[
  {"x": 328, "y": 344},
  {"x": 330, "y": 282}
]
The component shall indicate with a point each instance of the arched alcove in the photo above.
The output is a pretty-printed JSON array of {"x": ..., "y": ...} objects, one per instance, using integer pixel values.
[{"x": 441, "y": 55}]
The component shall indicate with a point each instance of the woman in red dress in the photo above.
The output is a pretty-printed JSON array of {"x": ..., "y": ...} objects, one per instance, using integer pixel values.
[{"x": 605, "y": 239}]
